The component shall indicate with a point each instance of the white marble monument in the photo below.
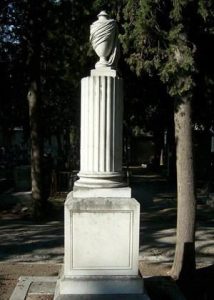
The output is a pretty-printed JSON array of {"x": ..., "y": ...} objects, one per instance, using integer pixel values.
[{"x": 101, "y": 218}]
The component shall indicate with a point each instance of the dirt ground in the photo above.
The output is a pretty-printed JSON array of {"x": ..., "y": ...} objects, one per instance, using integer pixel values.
[{"x": 30, "y": 249}]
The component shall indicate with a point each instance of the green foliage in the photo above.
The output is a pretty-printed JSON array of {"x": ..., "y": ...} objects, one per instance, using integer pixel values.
[
  {"x": 113, "y": 7},
  {"x": 64, "y": 67},
  {"x": 205, "y": 10},
  {"x": 173, "y": 40},
  {"x": 179, "y": 67},
  {"x": 60, "y": 32},
  {"x": 142, "y": 36},
  {"x": 160, "y": 43},
  {"x": 13, "y": 107}
]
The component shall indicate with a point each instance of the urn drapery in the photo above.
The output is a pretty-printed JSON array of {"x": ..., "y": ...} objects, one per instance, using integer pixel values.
[{"x": 104, "y": 40}]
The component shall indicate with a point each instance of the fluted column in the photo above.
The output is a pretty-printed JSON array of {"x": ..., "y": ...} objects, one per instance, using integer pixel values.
[{"x": 101, "y": 132}]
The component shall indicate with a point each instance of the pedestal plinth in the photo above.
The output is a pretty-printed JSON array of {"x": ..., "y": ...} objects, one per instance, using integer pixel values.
[
  {"x": 101, "y": 247},
  {"x": 101, "y": 236}
]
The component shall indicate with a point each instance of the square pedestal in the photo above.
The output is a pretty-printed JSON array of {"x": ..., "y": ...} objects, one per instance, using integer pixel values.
[{"x": 101, "y": 247}]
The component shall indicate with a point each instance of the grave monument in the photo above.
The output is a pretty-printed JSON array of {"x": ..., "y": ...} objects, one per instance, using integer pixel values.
[{"x": 101, "y": 218}]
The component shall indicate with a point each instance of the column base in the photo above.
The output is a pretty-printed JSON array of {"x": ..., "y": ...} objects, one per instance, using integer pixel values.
[
  {"x": 100, "y": 287},
  {"x": 100, "y": 180}
]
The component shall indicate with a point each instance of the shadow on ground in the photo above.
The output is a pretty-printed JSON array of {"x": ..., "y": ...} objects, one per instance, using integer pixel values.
[
  {"x": 29, "y": 242},
  {"x": 24, "y": 241},
  {"x": 200, "y": 287}
]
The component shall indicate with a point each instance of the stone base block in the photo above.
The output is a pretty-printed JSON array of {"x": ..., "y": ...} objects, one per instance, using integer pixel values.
[
  {"x": 104, "y": 297},
  {"x": 101, "y": 287},
  {"x": 101, "y": 248},
  {"x": 101, "y": 236}
]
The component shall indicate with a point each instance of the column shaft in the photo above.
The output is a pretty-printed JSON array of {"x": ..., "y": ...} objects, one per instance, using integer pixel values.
[{"x": 101, "y": 132}]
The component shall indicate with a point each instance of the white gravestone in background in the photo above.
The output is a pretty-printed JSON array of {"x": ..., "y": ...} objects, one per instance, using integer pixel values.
[{"x": 101, "y": 218}]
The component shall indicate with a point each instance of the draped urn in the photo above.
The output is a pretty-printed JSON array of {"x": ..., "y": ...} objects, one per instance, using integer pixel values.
[{"x": 103, "y": 37}]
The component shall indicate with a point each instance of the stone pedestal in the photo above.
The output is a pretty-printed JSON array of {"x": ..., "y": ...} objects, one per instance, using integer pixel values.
[
  {"x": 101, "y": 236},
  {"x": 101, "y": 247}
]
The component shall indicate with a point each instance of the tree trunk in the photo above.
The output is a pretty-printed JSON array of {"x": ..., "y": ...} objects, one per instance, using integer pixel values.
[
  {"x": 184, "y": 260},
  {"x": 35, "y": 30},
  {"x": 36, "y": 152}
]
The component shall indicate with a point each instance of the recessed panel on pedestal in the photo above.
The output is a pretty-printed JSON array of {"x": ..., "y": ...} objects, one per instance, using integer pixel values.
[{"x": 101, "y": 240}]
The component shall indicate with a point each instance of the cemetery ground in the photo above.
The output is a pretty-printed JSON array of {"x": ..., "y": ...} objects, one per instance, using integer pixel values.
[{"x": 30, "y": 249}]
